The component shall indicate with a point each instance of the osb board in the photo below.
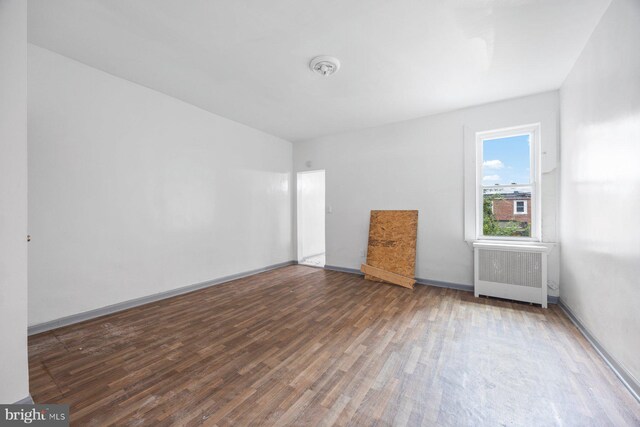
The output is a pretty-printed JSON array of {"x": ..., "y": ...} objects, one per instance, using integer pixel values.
[
  {"x": 387, "y": 276},
  {"x": 392, "y": 242}
]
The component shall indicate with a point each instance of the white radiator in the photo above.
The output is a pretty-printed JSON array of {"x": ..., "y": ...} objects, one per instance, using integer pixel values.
[{"x": 517, "y": 272}]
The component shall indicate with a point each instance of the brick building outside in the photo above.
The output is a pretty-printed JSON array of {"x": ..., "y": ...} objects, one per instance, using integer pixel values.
[{"x": 512, "y": 207}]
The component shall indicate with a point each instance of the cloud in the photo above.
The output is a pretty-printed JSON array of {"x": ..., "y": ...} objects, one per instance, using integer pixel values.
[
  {"x": 493, "y": 164},
  {"x": 491, "y": 177}
]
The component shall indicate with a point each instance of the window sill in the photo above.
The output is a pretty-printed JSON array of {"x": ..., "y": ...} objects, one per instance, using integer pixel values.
[
  {"x": 502, "y": 245},
  {"x": 512, "y": 242}
]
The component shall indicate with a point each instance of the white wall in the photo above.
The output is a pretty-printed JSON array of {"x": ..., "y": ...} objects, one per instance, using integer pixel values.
[
  {"x": 14, "y": 381},
  {"x": 310, "y": 214},
  {"x": 419, "y": 164},
  {"x": 600, "y": 185},
  {"x": 132, "y": 192}
]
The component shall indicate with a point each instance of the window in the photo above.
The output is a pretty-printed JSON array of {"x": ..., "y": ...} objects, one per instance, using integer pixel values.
[
  {"x": 520, "y": 207},
  {"x": 508, "y": 204}
]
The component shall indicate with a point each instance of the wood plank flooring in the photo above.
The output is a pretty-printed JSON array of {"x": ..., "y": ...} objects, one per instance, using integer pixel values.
[{"x": 305, "y": 346}]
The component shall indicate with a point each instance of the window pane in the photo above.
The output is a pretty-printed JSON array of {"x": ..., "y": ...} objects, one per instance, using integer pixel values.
[
  {"x": 507, "y": 212},
  {"x": 506, "y": 161}
]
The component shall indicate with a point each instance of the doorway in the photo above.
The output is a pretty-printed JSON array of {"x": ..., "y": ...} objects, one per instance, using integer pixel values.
[{"x": 311, "y": 218}]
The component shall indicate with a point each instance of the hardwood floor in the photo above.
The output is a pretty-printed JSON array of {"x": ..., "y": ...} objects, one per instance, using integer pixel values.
[{"x": 305, "y": 346}]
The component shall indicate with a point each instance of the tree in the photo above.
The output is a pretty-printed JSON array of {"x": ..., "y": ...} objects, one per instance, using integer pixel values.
[
  {"x": 490, "y": 224},
  {"x": 492, "y": 227}
]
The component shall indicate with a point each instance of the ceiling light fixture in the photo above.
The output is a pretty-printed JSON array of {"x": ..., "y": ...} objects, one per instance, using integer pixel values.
[{"x": 324, "y": 65}]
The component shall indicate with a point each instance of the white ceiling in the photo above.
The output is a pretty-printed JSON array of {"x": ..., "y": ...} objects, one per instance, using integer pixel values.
[{"x": 248, "y": 59}]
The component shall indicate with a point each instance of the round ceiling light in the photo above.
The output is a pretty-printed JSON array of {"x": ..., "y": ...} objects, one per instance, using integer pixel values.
[{"x": 324, "y": 65}]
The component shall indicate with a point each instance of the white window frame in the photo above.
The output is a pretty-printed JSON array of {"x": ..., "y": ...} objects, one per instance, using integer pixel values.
[
  {"x": 533, "y": 130},
  {"x": 515, "y": 207}
]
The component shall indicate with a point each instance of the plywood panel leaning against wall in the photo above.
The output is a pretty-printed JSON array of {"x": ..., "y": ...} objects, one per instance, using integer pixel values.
[{"x": 392, "y": 245}]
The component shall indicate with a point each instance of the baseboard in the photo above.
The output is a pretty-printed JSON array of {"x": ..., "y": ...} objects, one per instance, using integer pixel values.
[
  {"x": 26, "y": 401},
  {"x": 623, "y": 375},
  {"x": 428, "y": 282},
  {"x": 441, "y": 284},
  {"x": 110, "y": 309},
  {"x": 343, "y": 269}
]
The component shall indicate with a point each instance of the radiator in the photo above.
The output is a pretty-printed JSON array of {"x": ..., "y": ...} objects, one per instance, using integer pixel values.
[{"x": 516, "y": 272}]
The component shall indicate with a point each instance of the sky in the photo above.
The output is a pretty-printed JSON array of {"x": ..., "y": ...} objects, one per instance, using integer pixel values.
[{"x": 506, "y": 160}]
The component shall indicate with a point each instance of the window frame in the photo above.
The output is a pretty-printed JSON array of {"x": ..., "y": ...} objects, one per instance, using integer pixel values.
[
  {"x": 533, "y": 130},
  {"x": 515, "y": 207}
]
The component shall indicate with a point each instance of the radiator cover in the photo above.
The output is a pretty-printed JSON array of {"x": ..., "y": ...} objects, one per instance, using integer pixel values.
[{"x": 517, "y": 272}]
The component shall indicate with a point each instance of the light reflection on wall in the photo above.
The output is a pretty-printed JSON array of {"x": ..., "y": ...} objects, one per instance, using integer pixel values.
[{"x": 604, "y": 197}]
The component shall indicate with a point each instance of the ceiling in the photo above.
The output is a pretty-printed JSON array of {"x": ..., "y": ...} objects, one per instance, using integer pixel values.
[{"x": 247, "y": 60}]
